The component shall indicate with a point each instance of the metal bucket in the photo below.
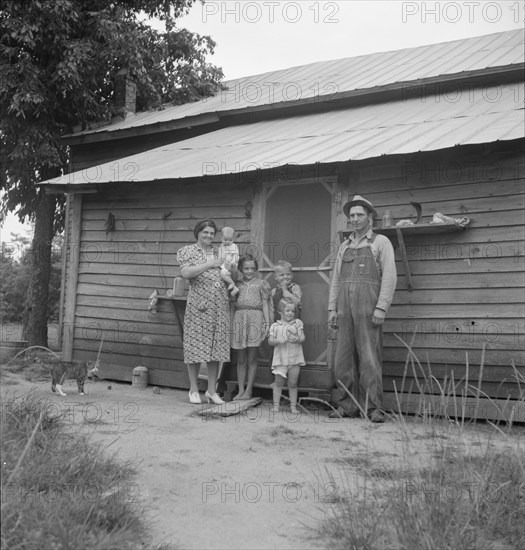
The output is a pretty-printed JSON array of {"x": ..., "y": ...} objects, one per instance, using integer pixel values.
[{"x": 140, "y": 377}]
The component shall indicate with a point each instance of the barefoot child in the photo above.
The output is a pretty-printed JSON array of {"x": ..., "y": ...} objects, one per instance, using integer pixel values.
[
  {"x": 282, "y": 273},
  {"x": 286, "y": 335},
  {"x": 251, "y": 321},
  {"x": 228, "y": 252}
]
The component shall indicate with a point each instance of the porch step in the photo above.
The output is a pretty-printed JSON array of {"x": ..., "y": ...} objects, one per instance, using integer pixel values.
[{"x": 316, "y": 393}]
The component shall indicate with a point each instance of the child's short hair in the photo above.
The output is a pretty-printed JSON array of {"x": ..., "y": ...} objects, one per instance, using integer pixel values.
[
  {"x": 283, "y": 264},
  {"x": 247, "y": 258},
  {"x": 227, "y": 229},
  {"x": 283, "y": 302}
]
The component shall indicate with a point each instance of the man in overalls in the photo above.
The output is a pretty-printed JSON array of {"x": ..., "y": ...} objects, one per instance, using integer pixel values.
[{"x": 361, "y": 291}]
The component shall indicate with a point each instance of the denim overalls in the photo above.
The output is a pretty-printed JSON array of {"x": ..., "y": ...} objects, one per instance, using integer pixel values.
[{"x": 358, "y": 358}]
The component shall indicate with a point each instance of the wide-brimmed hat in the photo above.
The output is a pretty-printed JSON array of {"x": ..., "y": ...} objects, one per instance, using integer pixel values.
[{"x": 358, "y": 200}]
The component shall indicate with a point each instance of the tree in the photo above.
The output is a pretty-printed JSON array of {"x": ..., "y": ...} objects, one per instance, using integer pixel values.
[
  {"x": 15, "y": 277},
  {"x": 58, "y": 64}
]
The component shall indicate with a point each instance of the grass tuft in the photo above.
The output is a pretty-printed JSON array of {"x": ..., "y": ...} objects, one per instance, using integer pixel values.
[
  {"x": 60, "y": 490},
  {"x": 282, "y": 430},
  {"x": 455, "y": 485}
]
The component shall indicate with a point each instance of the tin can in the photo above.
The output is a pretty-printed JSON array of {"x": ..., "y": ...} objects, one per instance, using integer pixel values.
[
  {"x": 140, "y": 377},
  {"x": 179, "y": 286}
]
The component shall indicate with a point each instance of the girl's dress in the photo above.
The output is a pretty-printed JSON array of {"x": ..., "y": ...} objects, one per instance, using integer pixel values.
[
  {"x": 248, "y": 320},
  {"x": 286, "y": 353},
  {"x": 207, "y": 316}
]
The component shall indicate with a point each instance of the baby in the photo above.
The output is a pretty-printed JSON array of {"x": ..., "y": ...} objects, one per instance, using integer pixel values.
[{"x": 228, "y": 252}]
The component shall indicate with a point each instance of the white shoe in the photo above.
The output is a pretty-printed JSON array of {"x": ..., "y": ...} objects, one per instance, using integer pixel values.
[
  {"x": 215, "y": 398},
  {"x": 195, "y": 398}
]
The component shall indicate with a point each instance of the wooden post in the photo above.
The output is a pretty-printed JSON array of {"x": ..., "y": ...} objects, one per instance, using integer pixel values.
[{"x": 68, "y": 328}]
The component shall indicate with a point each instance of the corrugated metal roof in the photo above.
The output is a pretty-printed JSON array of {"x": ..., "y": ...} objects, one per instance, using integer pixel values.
[
  {"x": 467, "y": 116},
  {"x": 325, "y": 78}
]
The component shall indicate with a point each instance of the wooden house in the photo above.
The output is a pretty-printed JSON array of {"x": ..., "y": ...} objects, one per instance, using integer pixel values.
[{"x": 276, "y": 156}]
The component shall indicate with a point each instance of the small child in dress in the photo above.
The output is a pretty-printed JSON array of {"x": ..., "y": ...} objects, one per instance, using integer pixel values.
[
  {"x": 251, "y": 322},
  {"x": 228, "y": 252},
  {"x": 286, "y": 335},
  {"x": 285, "y": 288}
]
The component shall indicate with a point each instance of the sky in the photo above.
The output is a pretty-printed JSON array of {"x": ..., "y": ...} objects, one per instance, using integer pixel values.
[
  {"x": 258, "y": 36},
  {"x": 254, "y": 37}
]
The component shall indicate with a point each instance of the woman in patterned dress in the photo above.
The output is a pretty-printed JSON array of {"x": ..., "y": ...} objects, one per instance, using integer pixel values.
[
  {"x": 207, "y": 317},
  {"x": 251, "y": 323}
]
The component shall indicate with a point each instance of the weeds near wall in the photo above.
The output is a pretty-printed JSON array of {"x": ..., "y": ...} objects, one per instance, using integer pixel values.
[{"x": 455, "y": 485}]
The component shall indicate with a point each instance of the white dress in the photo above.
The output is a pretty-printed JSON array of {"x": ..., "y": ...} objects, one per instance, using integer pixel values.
[{"x": 286, "y": 353}]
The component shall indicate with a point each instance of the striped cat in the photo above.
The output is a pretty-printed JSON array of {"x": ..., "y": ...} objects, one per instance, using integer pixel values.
[{"x": 75, "y": 369}]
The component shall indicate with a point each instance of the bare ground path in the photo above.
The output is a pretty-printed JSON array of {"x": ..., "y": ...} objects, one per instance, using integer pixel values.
[{"x": 257, "y": 480}]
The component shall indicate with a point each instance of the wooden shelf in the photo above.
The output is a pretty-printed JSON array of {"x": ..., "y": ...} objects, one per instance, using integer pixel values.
[
  {"x": 173, "y": 298},
  {"x": 410, "y": 230},
  {"x": 397, "y": 236}
]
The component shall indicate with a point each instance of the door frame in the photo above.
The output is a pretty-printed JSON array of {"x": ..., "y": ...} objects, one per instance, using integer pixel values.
[{"x": 261, "y": 195}]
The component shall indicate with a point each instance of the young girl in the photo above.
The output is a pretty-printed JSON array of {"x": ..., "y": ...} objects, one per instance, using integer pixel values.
[
  {"x": 251, "y": 321},
  {"x": 285, "y": 288},
  {"x": 286, "y": 336}
]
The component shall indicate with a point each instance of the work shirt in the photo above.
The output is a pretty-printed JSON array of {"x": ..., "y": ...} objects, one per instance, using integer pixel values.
[{"x": 383, "y": 253}]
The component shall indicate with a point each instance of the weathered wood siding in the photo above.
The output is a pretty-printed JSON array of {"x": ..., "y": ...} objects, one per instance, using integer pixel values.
[
  {"x": 468, "y": 285},
  {"x": 120, "y": 268}
]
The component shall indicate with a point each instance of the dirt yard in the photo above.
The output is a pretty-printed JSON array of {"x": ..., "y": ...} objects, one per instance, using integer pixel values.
[{"x": 256, "y": 480}]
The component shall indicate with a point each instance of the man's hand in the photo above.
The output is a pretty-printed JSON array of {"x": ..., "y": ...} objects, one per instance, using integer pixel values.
[
  {"x": 332, "y": 319},
  {"x": 378, "y": 318}
]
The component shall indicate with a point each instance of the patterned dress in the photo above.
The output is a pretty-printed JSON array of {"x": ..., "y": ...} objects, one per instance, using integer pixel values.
[
  {"x": 248, "y": 320},
  {"x": 207, "y": 317}
]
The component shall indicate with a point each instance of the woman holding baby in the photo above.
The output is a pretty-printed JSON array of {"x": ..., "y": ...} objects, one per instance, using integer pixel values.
[{"x": 207, "y": 317}]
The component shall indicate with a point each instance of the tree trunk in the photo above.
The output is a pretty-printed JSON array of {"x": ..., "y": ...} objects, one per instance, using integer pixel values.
[{"x": 35, "y": 325}]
